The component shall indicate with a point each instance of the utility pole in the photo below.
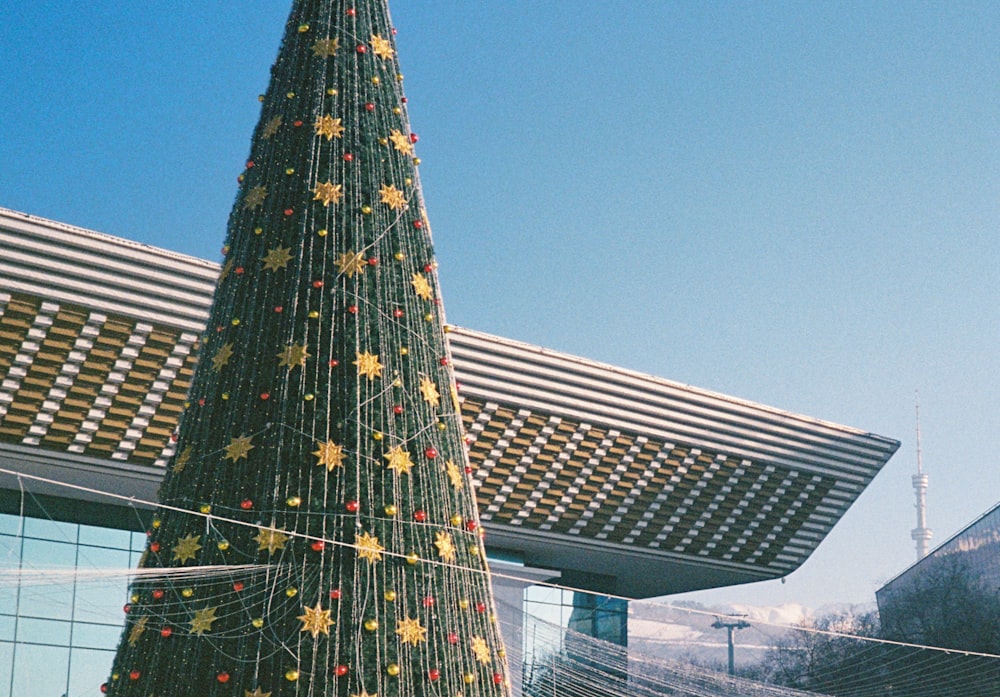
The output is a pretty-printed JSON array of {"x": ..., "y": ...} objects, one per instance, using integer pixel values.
[{"x": 730, "y": 626}]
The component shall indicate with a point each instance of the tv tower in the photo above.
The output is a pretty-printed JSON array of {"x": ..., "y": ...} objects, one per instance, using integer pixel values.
[{"x": 921, "y": 534}]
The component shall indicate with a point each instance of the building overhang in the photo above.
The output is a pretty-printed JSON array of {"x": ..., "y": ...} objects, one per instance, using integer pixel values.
[{"x": 625, "y": 483}]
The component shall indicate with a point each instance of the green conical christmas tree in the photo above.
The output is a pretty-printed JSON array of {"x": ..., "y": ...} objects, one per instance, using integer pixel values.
[{"x": 317, "y": 532}]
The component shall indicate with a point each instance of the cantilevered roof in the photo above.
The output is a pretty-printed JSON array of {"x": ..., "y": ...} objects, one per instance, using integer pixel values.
[{"x": 625, "y": 482}]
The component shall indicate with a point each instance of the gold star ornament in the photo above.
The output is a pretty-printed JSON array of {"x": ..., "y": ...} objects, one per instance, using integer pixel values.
[
  {"x": 480, "y": 649},
  {"x": 368, "y": 365},
  {"x": 186, "y": 548},
  {"x": 392, "y": 197},
  {"x": 316, "y": 621},
  {"x": 293, "y": 356},
  {"x": 181, "y": 462},
  {"x": 421, "y": 286},
  {"x": 330, "y": 455},
  {"x": 399, "y": 460},
  {"x": 369, "y": 547},
  {"x": 328, "y": 127},
  {"x": 429, "y": 391},
  {"x": 272, "y": 127},
  {"x": 410, "y": 631},
  {"x": 381, "y": 47},
  {"x": 445, "y": 546},
  {"x": 270, "y": 539},
  {"x": 277, "y": 258},
  {"x": 137, "y": 629},
  {"x": 202, "y": 620},
  {"x": 255, "y": 197},
  {"x": 238, "y": 448},
  {"x": 328, "y": 193},
  {"x": 222, "y": 356},
  {"x": 350, "y": 263},
  {"x": 256, "y": 693},
  {"x": 454, "y": 474},
  {"x": 401, "y": 142},
  {"x": 326, "y": 48}
]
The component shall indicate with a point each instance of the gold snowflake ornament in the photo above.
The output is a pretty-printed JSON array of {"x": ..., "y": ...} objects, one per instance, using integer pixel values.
[
  {"x": 326, "y": 48},
  {"x": 480, "y": 650},
  {"x": 181, "y": 462},
  {"x": 401, "y": 142},
  {"x": 429, "y": 391},
  {"x": 421, "y": 286},
  {"x": 272, "y": 127},
  {"x": 137, "y": 629},
  {"x": 255, "y": 197},
  {"x": 381, "y": 47},
  {"x": 454, "y": 474}
]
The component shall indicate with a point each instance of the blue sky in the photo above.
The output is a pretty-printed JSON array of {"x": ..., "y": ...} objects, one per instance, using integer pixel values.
[{"x": 793, "y": 203}]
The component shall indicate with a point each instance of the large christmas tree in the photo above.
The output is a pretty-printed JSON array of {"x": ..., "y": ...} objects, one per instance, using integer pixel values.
[{"x": 317, "y": 532}]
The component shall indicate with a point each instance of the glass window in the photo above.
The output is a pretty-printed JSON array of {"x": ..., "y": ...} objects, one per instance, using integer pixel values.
[
  {"x": 96, "y": 636},
  {"x": 10, "y": 524},
  {"x": 6, "y": 628},
  {"x": 88, "y": 670},
  {"x": 50, "y": 530},
  {"x": 40, "y": 670},
  {"x": 43, "y": 631},
  {"x": 101, "y": 601},
  {"x": 104, "y": 537},
  {"x": 6, "y": 668}
]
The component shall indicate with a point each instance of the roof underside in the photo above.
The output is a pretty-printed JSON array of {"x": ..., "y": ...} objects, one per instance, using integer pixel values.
[{"x": 626, "y": 483}]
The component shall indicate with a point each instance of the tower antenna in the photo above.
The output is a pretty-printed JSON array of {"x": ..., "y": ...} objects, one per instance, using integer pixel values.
[{"x": 921, "y": 534}]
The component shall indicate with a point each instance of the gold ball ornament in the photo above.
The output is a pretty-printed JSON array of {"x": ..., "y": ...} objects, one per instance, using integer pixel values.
[
  {"x": 258, "y": 230},
  {"x": 187, "y": 592},
  {"x": 456, "y": 519},
  {"x": 291, "y": 675},
  {"x": 469, "y": 678},
  {"x": 403, "y": 351},
  {"x": 294, "y": 501},
  {"x": 399, "y": 256},
  {"x": 464, "y": 603},
  {"x": 366, "y": 210},
  {"x": 371, "y": 625},
  {"x": 291, "y": 592},
  {"x": 377, "y": 435},
  {"x": 223, "y": 545},
  {"x": 391, "y": 510},
  {"x": 257, "y": 622},
  {"x": 205, "y": 508},
  {"x": 412, "y": 558},
  {"x": 390, "y": 596},
  {"x": 134, "y": 597},
  {"x": 392, "y": 669},
  {"x": 303, "y": 28},
  {"x": 322, "y": 233}
]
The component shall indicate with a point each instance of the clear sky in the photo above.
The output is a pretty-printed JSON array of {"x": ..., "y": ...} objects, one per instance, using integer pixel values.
[{"x": 793, "y": 203}]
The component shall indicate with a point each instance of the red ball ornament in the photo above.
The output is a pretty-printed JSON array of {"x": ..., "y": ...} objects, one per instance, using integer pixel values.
[
  {"x": 246, "y": 504},
  {"x": 166, "y": 632},
  {"x": 433, "y": 674},
  {"x": 278, "y": 308},
  {"x": 317, "y": 546},
  {"x": 497, "y": 678},
  {"x": 297, "y": 123},
  {"x": 428, "y": 267},
  {"x": 335, "y": 594},
  {"x": 373, "y": 261},
  {"x": 341, "y": 670},
  {"x": 362, "y": 48},
  {"x": 265, "y": 396},
  {"x": 154, "y": 547},
  {"x": 431, "y": 452},
  {"x": 414, "y": 137},
  {"x": 452, "y": 638},
  {"x": 289, "y": 211},
  {"x": 249, "y": 164},
  {"x": 157, "y": 594},
  {"x": 418, "y": 224},
  {"x": 201, "y": 403},
  {"x": 353, "y": 309},
  {"x": 348, "y": 157},
  {"x": 351, "y": 12},
  {"x": 403, "y": 100},
  {"x": 444, "y": 361},
  {"x": 471, "y": 525},
  {"x": 222, "y": 677},
  {"x": 468, "y": 469},
  {"x": 369, "y": 107},
  {"x": 104, "y": 688},
  {"x": 352, "y": 506},
  {"x": 420, "y": 515},
  {"x": 334, "y": 362},
  {"x": 134, "y": 675},
  {"x": 398, "y": 409},
  {"x": 428, "y": 601},
  {"x": 398, "y": 312},
  {"x": 239, "y": 270},
  {"x": 238, "y": 586},
  {"x": 480, "y": 607},
  {"x": 318, "y": 283},
  {"x": 126, "y": 608}
]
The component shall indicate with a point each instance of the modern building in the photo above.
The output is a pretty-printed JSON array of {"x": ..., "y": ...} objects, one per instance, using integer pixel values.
[
  {"x": 968, "y": 561},
  {"x": 595, "y": 477}
]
